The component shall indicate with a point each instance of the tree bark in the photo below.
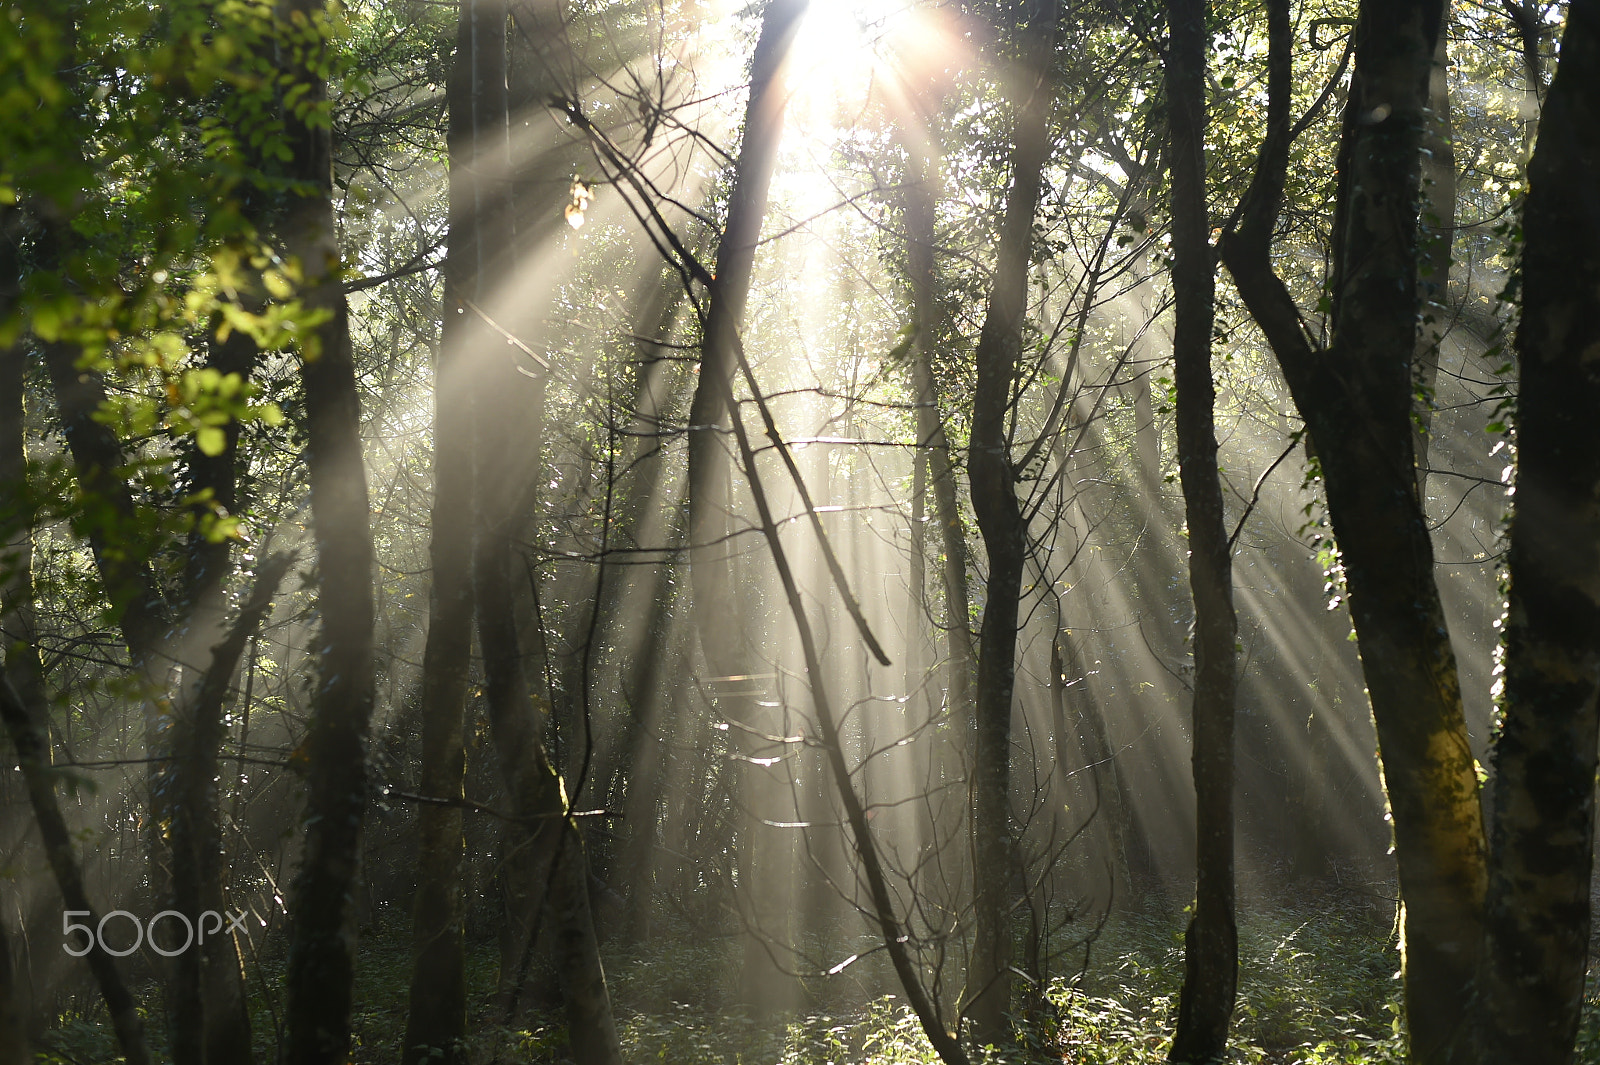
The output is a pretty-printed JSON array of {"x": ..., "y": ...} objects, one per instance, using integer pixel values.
[
  {"x": 322, "y": 951},
  {"x": 992, "y": 479},
  {"x": 19, "y": 662},
  {"x": 27, "y": 736},
  {"x": 206, "y": 993},
  {"x": 1211, "y": 943},
  {"x": 932, "y": 440},
  {"x": 1356, "y": 399},
  {"x": 23, "y": 702},
  {"x": 210, "y": 1016},
  {"x": 1538, "y": 911},
  {"x": 436, "y": 1022},
  {"x": 561, "y": 888},
  {"x": 1438, "y": 231}
]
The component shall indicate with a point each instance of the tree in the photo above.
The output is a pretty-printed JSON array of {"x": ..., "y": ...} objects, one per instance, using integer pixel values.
[
  {"x": 1540, "y": 855},
  {"x": 436, "y": 1021},
  {"x": 1211, "y": 946},
  {"x": 1537, "y": 869},
  {"x": 723, "y": 634},
  {"x": 22, "y": 689},
  {"x": 936, "y": 463},
  {"x": 322, "y": 957},
  {"x": 213, "y": 204},
  {"x": 992, "y": 481},
  {"x": 1356, "y": 398}
]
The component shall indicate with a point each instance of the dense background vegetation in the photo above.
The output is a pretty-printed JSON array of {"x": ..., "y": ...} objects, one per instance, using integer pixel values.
[{"x": 664, "y": 531}]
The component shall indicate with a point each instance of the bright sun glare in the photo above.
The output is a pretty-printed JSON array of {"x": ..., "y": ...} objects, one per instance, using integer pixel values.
[{"x": 836, "y": 52}]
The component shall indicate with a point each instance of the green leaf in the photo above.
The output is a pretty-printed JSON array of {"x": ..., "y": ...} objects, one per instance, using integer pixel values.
[{"x": 210, "y": 440}]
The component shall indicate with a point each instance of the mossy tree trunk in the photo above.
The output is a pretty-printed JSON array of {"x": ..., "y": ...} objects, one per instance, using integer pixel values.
[
  {"x": 1356, "y": 398},
  {"x": 1538, "y": 911}
]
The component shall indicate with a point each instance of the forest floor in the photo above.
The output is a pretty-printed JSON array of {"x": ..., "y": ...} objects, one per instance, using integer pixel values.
[{"x": 1318, "y": 986}]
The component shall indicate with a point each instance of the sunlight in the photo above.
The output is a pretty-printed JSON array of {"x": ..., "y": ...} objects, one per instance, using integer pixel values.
[
  {"x": 835, "y": 56},
  {"x": 639, "y": 635}
]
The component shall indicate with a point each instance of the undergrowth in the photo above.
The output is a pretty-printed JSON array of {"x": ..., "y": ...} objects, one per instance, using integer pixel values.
[{"x": 1313, "y": 990}]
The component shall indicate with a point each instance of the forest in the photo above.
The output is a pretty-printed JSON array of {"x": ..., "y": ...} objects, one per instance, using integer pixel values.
[{"x": 799, "y": 532}]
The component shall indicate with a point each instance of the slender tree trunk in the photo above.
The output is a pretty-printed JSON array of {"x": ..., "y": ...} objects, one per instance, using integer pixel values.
[
  {"x": 126, "y": 575},
  {"x": 129, "y": 584},
  {"x": 225, "y": 1027},
  {"x": 945, "y": 803},
  {"x": 1527, "y": 20},
  {"x": 27, "y": 737},
  {"x": 13, "y": 1019},
  {"x": 660, "y": 651},
  {"x": 932, "y": 441},
  {"x": 723, "y": 639},
  {"x": 661, "y": 655},
  {"x": 221, "y": 1031},
  {"x": 1211, "y": 943},
  {"x": 322, "y": 951},
  {"x": 536, "y": 791},
  {"x": 1356, "y": 399},
  {"x": 205, "y": 990},
  {"x": 654, "y": 648},
  {"x": 1437, "y": 232},
  {"x": 436, "y": 1022},
  {"x": 1079, "y": 715},
  {"x": 1140, "y": 362},
  {"x": 895, "y": 941},
  {"x": 505, "y": 446},
  {"x": 19, "y": 662},
  {"x": 1538, "y": 910},
  {"x": 992, "y": 480},
  {"x": 23, "y": 703},
  {"x": 641, "y": 524}
]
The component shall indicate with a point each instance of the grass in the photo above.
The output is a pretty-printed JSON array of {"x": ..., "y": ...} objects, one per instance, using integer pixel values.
[{"x": 1314, "y": 989}]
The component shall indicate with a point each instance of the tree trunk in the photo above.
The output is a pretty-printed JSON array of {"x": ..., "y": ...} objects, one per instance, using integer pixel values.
[
  {"x": 19, "y": 663},
  {"x": 1438, "y": 231},
  {"x": 322, "y": 952},
  {"x": 23, "y": 703},
  {"x": 560, "y": 890},
  {"x": 436, "y": 1022},
  {"x": 125, "y": 575},
  {"x": 992, "y": 480},
  {"x": 1527, "y": 20},
  {"x": 895, "y": 941},
  {"x": 660, "y": 650},
  {"x": 763, "y": 874},
  {"x": 1356, "y": 399},
  {"x": 13, "y": 1020},
  {"x": 27, "y": 736},
  {"x": 548, "y": 886},
  {"x": 1538, "y": 899},
  {"x": 645, "y": 783},
  {"x": 1211, "y": 943},
  {"x": 205, "y": 990},
  {"x": 934, "y": 445},
  {"x": 211, "y": 1015}
]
